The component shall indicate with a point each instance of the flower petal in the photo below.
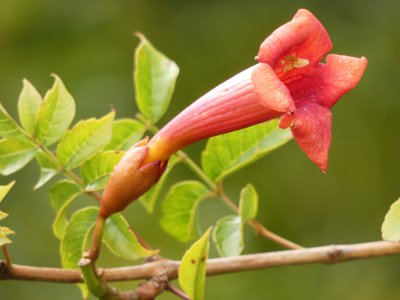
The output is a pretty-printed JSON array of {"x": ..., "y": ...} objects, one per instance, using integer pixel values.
[
  {"x": 311, "y": 128},
  {"x": 304, "y": 37},
  {"x": 272, "y": 92},
  {"x": 325, "y": 83}
]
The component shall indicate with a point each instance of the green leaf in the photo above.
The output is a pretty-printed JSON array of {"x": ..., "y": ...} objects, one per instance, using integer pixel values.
[
  {"x": 96, "y": 171},
  {"x": 154, "y": 78},
  {"x": 28, "y": 106},
  {"x": 391, "y": 224},
  {"x": 248, "y": 204},
  {"x": 148, "y": 200},
  {"x": 62, "y": 194},
  {"x": 4, "y": 189},
  {"x": 55, "y": 114},
  {"x": 192, "y": 271},
  {"x": 76, "y": 236},
  {"x": 48, "y": 169},
  {"x": 86, "y": 139},
  {"x": 15, "y": 154},
  {"x": 121, "y": 241},
  {"x": 226, "y": 154},
  {"x": 179, "y": 209},
  {"x": 125, "y": 133},
  {"x": 4, "y": 232},
  {"x": 8, "y": 127},
  {"x": 117, "y": 237},
  {"x": 228, "y": 236}
]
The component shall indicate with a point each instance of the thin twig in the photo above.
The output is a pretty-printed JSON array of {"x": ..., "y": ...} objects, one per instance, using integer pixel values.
[
  {"x": 176, "y": 291},
  {"x": 7, "y": 255},
  {"x": 258, "y": 227},
  {"x": 327, "y": 255}
]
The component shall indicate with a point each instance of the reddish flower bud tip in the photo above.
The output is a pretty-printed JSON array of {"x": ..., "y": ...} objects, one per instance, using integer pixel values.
[{"x": 129, "y": 180}]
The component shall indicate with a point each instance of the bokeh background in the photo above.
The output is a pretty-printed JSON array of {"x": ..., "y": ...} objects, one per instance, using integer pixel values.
[{"x": 90, "y": 45}]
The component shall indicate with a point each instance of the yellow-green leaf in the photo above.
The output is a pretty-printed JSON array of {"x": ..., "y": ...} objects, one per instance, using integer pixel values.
[
  {"x": 4, "y": 189},
  {"x": 48, "y": 169},
  {"x": 391, "y": 224},
  {"x": 179, "y": 209},
  {"x": 154, "y": 77},
  {"x": 86, "y": 139},
  {"x": 125, "y": 133},
  {"x": 62, "y": 194},
  {"x": 4, "y": 232},
  {"x": 228, "y": 236},
  {"x": 226, "y": 154},
  {"x": 192, "y": 271},
  {"x": 8, "y": 127},
  {"x": 55, "y": 114},
  {"x": 96, "y": 171},
  {"x": 15, "y": 154},
  {"x": 3, "y": 215},
  {"x": 248, "y": 204},
  {"x": 76, "y": 237},
  {"x": 121, "y": 241},
  {"x": 28, "y": 106}
]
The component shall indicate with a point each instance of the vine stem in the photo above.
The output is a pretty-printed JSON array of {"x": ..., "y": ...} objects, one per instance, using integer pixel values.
[
  {"x": 97, "y": 237},
  {"x": 7, "y": 255},
  {"x": 197, "y": 170},
  {"x": 258, "y": 227}
]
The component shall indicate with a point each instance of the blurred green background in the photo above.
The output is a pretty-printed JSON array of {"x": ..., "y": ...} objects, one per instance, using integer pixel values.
[{"x": 90, "y": 45}]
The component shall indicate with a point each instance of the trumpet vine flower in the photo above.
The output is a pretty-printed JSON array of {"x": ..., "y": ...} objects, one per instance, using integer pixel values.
[{"x": 289, "y": 81}]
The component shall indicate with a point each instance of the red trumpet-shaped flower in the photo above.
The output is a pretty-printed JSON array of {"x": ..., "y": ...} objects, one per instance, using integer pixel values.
[{"x": 290, "y": 82}]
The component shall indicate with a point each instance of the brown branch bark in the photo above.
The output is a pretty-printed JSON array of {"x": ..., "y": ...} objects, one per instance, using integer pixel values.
[{"x": 326, "y": 254}]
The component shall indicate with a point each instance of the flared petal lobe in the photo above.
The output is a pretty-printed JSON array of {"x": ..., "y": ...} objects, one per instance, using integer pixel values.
[
  {"x": 311, "y": 126},
  {"x": 325, "y": 83},
  {"x": 271, "y": 90},
  {"x": 303, "y": 37}
]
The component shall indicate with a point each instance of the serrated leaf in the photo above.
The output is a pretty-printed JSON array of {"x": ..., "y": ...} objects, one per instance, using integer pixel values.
[
  {"x": 391, "y": 224},
  {"x": 178, "y": 216},
  {"x": 4, "y": 232},
  {"x": 48, "y": 169},
  {"x": 96, "y": 171},
  {"x": 86, "y": 139},
  {"x": 228, "y": 236},
  {"x": 121, "y": 241},
  {"x": 148, "y": 200},
  {"x": 62, "y": 194},
  {"x": 228, "y": 153},
  {"x": 125, "y": 133},
  {"x": 55, "y": 114},
  {"x": 154, "y": 77},
  {"x": 9, "y": 129},
  {"x": 4, "y": 189},
  {"x": 192, "y": 271},
  {"x": 28, "y": 106},
  {"x": 248, "y": 204},
  {"x": 15, "y": 154}
]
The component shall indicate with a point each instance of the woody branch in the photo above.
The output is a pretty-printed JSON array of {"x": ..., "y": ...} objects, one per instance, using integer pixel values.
[{"x": 326, "y": 254}]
